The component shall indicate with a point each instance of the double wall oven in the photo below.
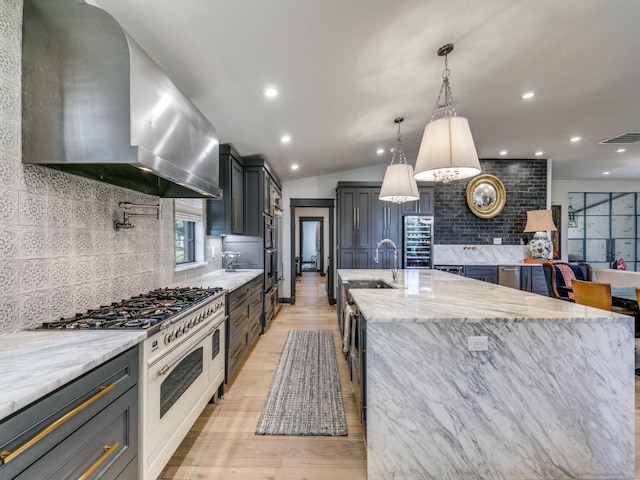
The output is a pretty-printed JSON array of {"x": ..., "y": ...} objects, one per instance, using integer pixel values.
[
  {"x": 182, "y": 361},
  {"x": 273, "y": 265}
]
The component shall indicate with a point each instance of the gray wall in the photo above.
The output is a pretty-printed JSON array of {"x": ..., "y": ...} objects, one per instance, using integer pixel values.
[
  {"x": 59, "y": 253},
  {"x": 525, "y": 182}
]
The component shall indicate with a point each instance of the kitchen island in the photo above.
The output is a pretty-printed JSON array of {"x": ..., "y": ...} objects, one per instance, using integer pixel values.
[{"x": 552, "y": 396}]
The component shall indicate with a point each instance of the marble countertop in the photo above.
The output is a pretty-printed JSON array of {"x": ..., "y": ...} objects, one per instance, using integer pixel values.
[
  {"x": 227, "y": 280},
  {"x": 435, "y": 296},
  {"x": 35, "y": 363}
]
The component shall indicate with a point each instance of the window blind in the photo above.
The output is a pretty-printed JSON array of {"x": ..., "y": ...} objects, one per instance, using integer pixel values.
[{"x": 189, "y": 209}]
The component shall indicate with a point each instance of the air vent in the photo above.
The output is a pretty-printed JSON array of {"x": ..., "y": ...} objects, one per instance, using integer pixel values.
[{"x": 625, "y": 138}]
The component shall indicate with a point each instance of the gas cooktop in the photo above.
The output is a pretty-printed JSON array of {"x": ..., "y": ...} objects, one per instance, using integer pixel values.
[{"x": 140, "y": 312}]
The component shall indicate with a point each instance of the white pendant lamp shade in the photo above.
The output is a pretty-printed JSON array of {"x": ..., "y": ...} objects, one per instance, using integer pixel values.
[
  {"x": 398, "y": 185},
  {"x": 447, "y": 151}
]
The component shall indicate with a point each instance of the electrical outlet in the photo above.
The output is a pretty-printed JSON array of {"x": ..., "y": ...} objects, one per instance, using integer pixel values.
[
  {"x": 497, "y": 241},
  {"x": 478, "y": 344}
]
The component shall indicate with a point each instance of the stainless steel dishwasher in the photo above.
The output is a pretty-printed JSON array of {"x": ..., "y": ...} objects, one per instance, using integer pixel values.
[{"x": 509, "y": 276}]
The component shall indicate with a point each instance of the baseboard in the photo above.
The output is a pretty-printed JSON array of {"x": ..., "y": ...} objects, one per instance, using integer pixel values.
[{"x": 284, "y": 300}]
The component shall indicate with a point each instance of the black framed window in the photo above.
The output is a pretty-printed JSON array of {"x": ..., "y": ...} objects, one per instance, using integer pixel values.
[{"x": 185, "y": 241}]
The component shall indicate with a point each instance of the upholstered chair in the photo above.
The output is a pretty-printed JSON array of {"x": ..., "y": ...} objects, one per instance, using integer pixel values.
[{"x": 560, "y": 275}]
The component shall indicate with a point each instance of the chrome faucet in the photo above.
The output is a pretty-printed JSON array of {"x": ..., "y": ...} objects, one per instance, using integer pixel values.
[{"x": 394, "y": 271}]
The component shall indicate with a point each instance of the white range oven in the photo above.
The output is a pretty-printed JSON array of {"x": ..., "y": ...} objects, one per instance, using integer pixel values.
[
  {"x": 183, "y": 369},
  {"x": 182, "y": 362}
]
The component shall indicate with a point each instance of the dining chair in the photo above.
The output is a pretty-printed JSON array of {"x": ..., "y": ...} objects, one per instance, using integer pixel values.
[
  {"x": 559, "y": 276},
  {"x": 598, "y": 295},
  {"x": 592, "y": 294}
]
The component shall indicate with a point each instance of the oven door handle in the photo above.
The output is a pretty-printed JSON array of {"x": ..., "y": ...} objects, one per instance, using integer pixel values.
[{"x": 164, "y": 370}]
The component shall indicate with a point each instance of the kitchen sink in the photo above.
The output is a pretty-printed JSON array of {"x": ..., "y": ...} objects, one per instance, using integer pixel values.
[{"x": 368, "y": 284}]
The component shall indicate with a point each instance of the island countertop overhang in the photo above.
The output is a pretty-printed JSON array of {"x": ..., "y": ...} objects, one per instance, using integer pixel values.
[{"x": 434, "y": 296}]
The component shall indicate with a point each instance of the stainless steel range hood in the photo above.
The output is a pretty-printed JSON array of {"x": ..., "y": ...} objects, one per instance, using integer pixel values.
[{"x": 94, "y": 104}]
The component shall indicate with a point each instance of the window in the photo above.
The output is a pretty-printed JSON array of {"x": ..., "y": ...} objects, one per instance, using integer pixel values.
[
  {"x": 185, "y": 242},
  {"x": 189, "y": 231},
  {"x": 606, "y": 229}
]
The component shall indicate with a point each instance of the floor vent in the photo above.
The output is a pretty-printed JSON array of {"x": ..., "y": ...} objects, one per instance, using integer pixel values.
[{"x": 629, "y": 137}]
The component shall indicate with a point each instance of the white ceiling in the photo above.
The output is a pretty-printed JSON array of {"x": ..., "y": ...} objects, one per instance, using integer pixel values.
[{"x": 347, "y": 68}]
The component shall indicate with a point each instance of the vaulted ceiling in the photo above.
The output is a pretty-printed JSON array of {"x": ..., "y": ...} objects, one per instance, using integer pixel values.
[{"x": 346, "y": 68}]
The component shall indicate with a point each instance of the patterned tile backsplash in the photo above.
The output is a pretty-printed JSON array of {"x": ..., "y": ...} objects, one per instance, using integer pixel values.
[{"x": 59, "y": 253}]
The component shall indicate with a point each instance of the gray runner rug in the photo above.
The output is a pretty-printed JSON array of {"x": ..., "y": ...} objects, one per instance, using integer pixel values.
[{"x": 305, "y": 397}]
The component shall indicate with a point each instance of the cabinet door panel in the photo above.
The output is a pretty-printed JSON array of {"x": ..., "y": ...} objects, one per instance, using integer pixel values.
[
  {"x": 422, "y": 206},
  {"x": 356, "y": 258},
  {"x": 386, "y": 220},
  {"x": 364, "y": 230},
  {"x": 108, "y": 440},
  {"x": 347, "y": 219},
  {"x": 237, "y": 198},
  {"x": 386, "y": 260}
]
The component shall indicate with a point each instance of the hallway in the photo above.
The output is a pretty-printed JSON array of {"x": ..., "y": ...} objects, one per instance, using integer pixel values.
[{"x": 222, "y": 443}]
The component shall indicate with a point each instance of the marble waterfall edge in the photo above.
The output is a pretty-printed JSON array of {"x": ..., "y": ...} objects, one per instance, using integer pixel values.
[{"x": 548, "y": 400}]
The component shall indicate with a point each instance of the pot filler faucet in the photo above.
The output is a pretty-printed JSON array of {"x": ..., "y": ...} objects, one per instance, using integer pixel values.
[{"x": 394, "y": 271}]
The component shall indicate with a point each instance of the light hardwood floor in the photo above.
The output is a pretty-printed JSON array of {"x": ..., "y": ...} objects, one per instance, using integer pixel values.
[{"x": 222, "y": 443}]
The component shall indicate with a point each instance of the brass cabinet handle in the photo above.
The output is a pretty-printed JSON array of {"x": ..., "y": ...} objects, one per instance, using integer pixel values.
[
  {"x": 6, "y": 455},
  {"x": 108, "y": 450},
  {"x": 237, "y": 353},
  {"x": 241, "y": 320}
]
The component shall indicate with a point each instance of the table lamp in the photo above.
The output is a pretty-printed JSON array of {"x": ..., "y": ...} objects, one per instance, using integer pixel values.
[{"x": 540, "y": 221}]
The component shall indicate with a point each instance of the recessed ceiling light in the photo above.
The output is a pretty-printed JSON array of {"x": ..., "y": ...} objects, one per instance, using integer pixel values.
[
  {"x": 285, "y": 139},
  {"x": 503, "y": 152},
  {"x": 270, "y": 92},
  {"x": 621, "y": 150},
  {"x": 575, "y": 139},
  {"x": 528, "y": 95},
  {"x": 380, "y": 151},
  {"x": 294, "y": 166},
  {"x": 605, "y": 173},
  {"x": 539, "y": 153}
]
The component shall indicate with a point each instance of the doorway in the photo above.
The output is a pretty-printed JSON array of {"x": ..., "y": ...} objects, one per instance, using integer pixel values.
[
  {"x": 311, "y": 247},
  {"x": 328, "y": 206}
]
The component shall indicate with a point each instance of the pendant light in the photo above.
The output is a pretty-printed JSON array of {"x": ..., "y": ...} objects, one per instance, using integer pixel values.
[
  {"x": 572, "y": 216},
  {"x": 447, "y": 151},
  {"x": 398, "y": 185}
]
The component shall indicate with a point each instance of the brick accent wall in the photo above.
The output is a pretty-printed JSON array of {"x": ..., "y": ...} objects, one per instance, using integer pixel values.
[{"x": 525, "y": 182}]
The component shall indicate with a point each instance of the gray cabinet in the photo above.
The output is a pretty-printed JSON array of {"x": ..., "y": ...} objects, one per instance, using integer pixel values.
[
  {"x": 362, "y": 221},
  {"x": 226, "y": 216},
  {"x": 385, "y": 258},
  {"x": 486, "y": 273},
  {"x": 355, "y": 212},
  {"x": 90, "y": 424},
  {"x": 533, "y": 280},
  {"x": 261, "y": 191},
  {"x": 386, "y": 220},
  {"x": 244, "y": 317},
  {"x": 423, "y": 206},
  {"x": 355, "y": 258}
]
